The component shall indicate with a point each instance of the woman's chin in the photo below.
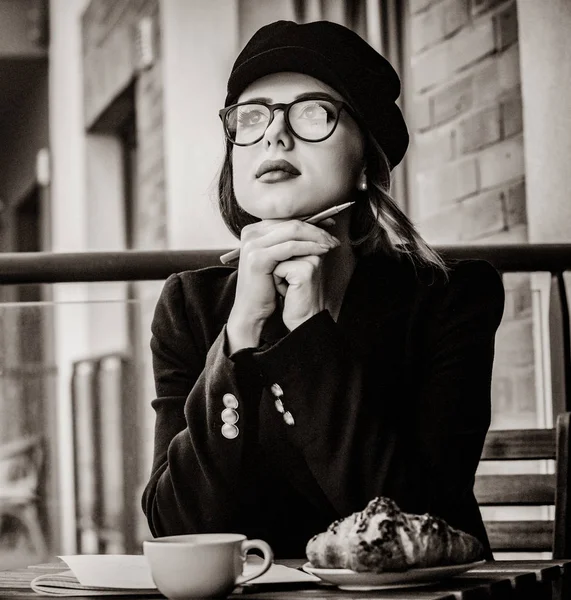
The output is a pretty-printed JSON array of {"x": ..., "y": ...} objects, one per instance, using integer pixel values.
[{"x": 276, "y": 208}]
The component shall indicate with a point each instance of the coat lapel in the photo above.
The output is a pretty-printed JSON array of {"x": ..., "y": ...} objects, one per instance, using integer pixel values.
[{"x": 377, "y": 302}]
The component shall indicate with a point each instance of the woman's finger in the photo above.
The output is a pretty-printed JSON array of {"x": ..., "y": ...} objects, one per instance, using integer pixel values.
[
  {"x": 296, "y": 270},
  {"x": 283, "y": 270},
  {"x": 291, "y": 231},
  {"x": 281, "y": 285},
  {"x": 265, "y": 259}
]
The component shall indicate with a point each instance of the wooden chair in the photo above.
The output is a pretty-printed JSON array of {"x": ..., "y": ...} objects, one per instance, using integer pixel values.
[
  {"x": 21, "y": 462},
  {"x": 530, "y": 489}
]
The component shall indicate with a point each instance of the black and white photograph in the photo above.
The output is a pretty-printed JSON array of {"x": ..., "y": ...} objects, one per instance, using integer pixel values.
[{"x": 285, "y": 299}]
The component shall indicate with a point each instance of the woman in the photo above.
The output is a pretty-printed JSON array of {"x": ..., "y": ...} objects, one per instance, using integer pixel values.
[{"x": 337, "y": 361}]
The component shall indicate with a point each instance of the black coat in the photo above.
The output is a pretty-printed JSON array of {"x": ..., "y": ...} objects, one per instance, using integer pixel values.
[{"x": 392, "y": 399}]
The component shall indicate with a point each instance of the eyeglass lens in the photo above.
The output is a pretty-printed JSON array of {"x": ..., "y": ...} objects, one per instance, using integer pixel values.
[{"x": 311, "y": 120}]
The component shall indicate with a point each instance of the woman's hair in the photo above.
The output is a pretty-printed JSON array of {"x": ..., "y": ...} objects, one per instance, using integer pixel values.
[{"x": 377, "y": 222}]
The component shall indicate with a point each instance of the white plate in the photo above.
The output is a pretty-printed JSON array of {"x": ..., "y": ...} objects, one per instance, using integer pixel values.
[{"x": 353, "y": 580}]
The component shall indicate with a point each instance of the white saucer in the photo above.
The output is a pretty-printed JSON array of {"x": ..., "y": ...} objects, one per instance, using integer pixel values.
[{"x": 346, "y": 579}]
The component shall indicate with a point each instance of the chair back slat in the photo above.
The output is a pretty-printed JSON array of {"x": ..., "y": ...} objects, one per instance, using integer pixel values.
[
  {"x": 518, "y": 444},
  {"x": 530, "y": 489},
  {"x": 520, "y": 536},
  {"x": 523, "y": 490}
]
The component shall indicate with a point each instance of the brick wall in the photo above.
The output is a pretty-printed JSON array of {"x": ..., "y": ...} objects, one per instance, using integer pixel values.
[
  {"x": 151, "y": 228},
  {"x": 467, "y": 177},
  {"x": 467, "y": 144}
]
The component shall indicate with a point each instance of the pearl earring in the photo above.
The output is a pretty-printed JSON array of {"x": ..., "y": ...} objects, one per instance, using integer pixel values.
[{"x": 362, "y": 185}]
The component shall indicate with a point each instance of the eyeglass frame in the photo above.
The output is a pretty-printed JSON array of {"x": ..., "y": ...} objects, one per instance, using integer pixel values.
[{"x": 286, "y": 107}]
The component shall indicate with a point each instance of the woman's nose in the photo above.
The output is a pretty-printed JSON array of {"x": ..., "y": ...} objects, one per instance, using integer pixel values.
[{"x": 278, "y": 132}]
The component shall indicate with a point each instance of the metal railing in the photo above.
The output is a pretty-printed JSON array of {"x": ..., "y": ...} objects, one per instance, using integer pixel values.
[{"x": 136, "y": 265}]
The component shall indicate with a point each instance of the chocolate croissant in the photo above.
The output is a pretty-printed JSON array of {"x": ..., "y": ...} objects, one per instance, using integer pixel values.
[{"x": 383, "y": 538}]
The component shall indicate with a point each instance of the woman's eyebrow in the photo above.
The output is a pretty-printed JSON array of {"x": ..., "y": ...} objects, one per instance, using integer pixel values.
[
  {"x": 259, "y": 99},
  {"x": 316, "y": 95},
  {"x": 313, "y": 95}
]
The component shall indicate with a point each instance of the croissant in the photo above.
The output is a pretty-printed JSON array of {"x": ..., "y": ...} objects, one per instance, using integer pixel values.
[{"x": 383, "y": 538}]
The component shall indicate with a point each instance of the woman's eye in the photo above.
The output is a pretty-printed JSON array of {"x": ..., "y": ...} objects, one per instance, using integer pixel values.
[
  {"x": 316, "y": 111},
  {"x": 249, "y": 118},
  {"x": 313, "y": 112}
]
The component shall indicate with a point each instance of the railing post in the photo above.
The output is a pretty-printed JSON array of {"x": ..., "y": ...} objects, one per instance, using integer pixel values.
[
  {"x": 562, "y": 529},
  {"x": 87, "y": 460},
  {"x": 560, "y": 345}
]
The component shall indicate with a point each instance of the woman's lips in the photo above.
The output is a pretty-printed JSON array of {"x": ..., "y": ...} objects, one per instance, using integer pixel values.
[
  {"x": 272, "y": 171},
  {"x": 275, "y": 176}
]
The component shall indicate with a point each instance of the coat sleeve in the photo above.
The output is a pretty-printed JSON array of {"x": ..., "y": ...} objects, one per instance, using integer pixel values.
[
  {"x": 337, "y": 424},
  {"x": 195, "y": 483},
  {"x": 453, "y": 408}
]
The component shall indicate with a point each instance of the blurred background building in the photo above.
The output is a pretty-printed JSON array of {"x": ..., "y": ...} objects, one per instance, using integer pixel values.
[{"x": 110, "y": 140}]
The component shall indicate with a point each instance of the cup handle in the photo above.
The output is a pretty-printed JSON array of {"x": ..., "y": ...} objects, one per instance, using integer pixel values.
[{"x": 248, "y": 545}]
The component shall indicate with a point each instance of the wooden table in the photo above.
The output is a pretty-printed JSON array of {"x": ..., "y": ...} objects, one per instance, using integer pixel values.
[{"x": 502, "y": 580}]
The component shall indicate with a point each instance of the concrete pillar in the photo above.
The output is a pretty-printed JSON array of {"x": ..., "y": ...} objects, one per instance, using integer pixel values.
[
  {"x": 195, "y": 72},
  {"x": 69, "y": 231},
  {"x": 545, "y": 58}
]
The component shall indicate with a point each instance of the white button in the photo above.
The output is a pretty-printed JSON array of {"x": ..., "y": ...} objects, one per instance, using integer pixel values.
[
  {"x": 288, "y": 418},
  {"x": 279, "y": 406},
  {"x": 230, "y": 401},
  {"x": 230, "y": 416},
  {"x": 276, "y": 390},
  {"x": 229, "y": 431}
]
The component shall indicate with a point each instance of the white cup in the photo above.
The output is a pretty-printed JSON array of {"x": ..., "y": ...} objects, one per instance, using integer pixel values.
[{"x": 207, "y": 565}]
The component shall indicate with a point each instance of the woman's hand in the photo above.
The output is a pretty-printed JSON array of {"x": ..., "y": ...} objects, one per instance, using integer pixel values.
[
  {"x": 300, "y": 282},
  {"x": 265, "y": 245}
]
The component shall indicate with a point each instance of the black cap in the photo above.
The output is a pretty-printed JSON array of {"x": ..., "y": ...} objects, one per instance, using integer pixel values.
[{"x": 340, "y": 58}]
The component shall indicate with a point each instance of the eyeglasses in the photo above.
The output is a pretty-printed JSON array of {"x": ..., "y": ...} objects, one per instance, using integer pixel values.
[{"x": 309, "y": 119}]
